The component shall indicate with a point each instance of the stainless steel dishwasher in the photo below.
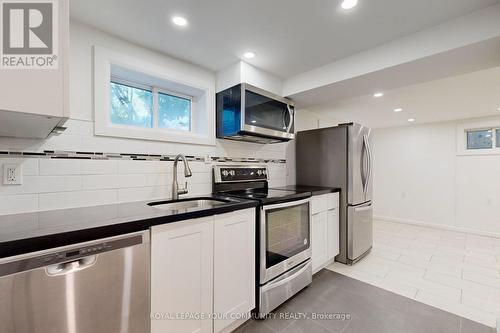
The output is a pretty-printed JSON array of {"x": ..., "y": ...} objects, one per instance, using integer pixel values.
[{"x": 101, "y": 286}]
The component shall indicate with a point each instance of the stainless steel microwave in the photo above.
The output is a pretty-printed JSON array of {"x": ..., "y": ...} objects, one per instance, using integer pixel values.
[{"x": 248, "y": 113}]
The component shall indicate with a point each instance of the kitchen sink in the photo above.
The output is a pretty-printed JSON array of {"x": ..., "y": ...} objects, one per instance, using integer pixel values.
[{"x": 190, "y": 203}]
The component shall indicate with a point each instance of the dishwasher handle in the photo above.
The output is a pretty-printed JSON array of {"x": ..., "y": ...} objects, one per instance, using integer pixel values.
[{"x": 71, "y": 267}]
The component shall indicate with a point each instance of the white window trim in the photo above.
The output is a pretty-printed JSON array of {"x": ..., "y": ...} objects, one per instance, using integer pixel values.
[
  {"x": 461, "y": 136},
  {"x": 202, "y": 106}
]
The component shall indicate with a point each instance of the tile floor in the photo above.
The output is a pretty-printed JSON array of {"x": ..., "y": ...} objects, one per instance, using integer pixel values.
[
  {"x": 370, "y": 310},
  {"x": 453, "y": 271}
]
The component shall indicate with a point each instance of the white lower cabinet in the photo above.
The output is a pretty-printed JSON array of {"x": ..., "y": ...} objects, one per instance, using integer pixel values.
[
  {"x": 182, "y": 276},
  {"x": 203, "y": 266},
  {"x": 332, "y": 218},
  {"x": 325, "y": 230},
  {"x": 319, "y": 240},
  {"x": 234, "y": 267}
]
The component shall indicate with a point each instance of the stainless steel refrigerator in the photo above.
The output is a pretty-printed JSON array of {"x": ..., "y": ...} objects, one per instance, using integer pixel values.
[{"x": 342, "y": 157}]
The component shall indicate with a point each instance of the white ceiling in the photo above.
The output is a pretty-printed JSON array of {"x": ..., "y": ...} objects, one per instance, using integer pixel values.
[
  {"x": 469, "y": 95},
  {"x": 289, "y": 36}
]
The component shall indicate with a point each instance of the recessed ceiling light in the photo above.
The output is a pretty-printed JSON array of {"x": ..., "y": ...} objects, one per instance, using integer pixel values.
[
  {"x": 498, "y": 109},
  {"x": 180, "y": 21},
  {"x": 249, "y": 55},
  {"x": 379, "y": 94},
  {"x": 411, "y": 120},
  {"x": 398, "y": 110},
  {"x": 348, "y": 4}
]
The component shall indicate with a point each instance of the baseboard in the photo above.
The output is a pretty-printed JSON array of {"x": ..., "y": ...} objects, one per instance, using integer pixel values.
[{"x": 437, "y": 226}]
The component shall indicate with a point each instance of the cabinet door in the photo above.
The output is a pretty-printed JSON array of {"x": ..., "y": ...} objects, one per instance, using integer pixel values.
[
  {"x": 234, "y": 265},
  {"x": 333, "y": 233},
  {"x": 182, "y": 275},
  {"x": 319, "y": 240},
  {"x": 40, "y": 91}
]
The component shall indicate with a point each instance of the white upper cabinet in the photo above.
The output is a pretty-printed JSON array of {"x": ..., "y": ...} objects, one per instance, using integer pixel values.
[{"x": 34, "y": 100}]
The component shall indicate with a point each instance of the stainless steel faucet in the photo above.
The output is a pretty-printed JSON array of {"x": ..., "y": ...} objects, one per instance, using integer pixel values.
[{"x": 176, "y": 191}]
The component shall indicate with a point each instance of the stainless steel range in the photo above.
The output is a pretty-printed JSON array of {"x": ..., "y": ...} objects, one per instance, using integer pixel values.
[{"x": 284, "y": 232}]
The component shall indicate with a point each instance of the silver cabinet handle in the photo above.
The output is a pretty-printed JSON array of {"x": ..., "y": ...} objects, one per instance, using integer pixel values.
[{"x": 72, "y": 266}]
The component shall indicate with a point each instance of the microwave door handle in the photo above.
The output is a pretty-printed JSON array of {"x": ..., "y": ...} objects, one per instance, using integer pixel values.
[{"x": 290, "y": 112}]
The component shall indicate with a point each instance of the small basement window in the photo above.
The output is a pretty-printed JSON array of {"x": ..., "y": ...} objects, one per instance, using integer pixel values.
[
  {"x": 137, "y": 99},
  {"x": 136, "y": 104},
  {"x": 480, "y": 139}
]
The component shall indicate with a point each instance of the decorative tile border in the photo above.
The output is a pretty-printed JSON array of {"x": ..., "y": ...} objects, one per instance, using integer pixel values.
[{"x": 82, "y": 155}]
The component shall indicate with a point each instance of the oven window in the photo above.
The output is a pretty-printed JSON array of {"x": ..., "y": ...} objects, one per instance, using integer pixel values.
[{"x": 287, "y": 233}]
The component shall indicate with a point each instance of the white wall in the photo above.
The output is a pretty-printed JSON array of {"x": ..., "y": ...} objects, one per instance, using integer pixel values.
[
  {"x": 55, "y": 183},
  {"x": 419, "y": 178}
]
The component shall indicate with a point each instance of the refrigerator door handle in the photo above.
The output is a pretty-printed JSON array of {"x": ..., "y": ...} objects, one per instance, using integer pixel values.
[
  {"x": 367, "y": 165},
  {"x": 363, "y": 208},
  {"x": 370, "y": 163}
]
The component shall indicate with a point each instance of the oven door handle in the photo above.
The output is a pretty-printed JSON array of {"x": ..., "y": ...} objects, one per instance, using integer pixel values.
[
  {"x": 297, "y": 271},
  {"x": 286, "y": 204}
]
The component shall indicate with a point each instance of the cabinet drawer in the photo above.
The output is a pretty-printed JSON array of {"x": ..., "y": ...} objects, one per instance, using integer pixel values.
[
  {"x": 332, "y": 200},
  {"x": 319, "y": 203}
]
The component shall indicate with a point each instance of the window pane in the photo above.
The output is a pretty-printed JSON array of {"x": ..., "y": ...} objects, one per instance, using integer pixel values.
[
  {"x": 480, "y": 139},
  {"x": 498, "y": 138},
  {"x": 174, "y": 112},
  {"x": 131, "y": 106}
]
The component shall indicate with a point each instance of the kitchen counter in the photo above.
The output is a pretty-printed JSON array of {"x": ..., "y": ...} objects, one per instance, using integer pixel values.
[
  {"x": 30, "y": 232},
  {"x": 315, "y": 190}
]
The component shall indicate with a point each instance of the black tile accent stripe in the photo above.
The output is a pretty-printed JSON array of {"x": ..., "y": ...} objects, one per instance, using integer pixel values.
[{"x": 85, "y": 155}]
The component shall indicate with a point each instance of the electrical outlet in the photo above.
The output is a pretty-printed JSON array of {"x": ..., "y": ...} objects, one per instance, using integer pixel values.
[{"x": 12, "y": 174}]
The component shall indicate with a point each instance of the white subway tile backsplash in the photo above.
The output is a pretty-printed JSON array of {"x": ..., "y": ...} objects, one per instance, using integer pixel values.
[
  {"x": 30, "y": 165},
  {"x": 144, "y": 193},
  {"x": 144, "y": 180},
  {"x": 61, "y": 200},
  {"x": 77, "y": 167},
  {"x": 131, "y": 166},
  {"x": 53, "y": 183},
  {"x": 43, "y": 184},
  {"x": 99, "y": 182},
  {"x": 13, "y": 204}
]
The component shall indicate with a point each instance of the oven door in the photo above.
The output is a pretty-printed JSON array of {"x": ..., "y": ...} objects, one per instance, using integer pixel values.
[{"x": 285, "y": 237}]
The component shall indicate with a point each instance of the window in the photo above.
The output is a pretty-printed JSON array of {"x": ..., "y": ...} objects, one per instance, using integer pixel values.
[
  {"x": 133, "y": 104},
  {"x": 480, "y": 139},
  {"x": 174, "y": 112},
  {"x": 135, "y": 98}
]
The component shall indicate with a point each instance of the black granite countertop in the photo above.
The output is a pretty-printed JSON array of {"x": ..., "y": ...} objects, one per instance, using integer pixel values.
[
  {"x": 315, "y": 190},
  {"x": 30, "y": 232}
]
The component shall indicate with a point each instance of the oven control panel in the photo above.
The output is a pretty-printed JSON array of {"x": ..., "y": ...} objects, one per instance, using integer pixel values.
[{"x": 239, "y": 173}]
